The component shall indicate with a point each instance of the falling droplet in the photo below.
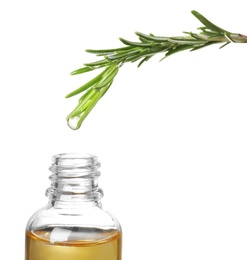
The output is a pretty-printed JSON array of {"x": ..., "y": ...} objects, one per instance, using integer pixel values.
[{"x": 73, "y": 122}]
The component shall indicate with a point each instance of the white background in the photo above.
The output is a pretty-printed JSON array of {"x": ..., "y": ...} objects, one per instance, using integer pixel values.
[{"x": 171, "y": 136}]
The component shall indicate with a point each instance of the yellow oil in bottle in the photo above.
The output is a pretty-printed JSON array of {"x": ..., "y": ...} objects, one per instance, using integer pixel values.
[{"x": 41, "y": 245}]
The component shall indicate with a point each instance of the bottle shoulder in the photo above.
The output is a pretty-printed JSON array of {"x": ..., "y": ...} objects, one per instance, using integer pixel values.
[{"x": 90, "y": 219}]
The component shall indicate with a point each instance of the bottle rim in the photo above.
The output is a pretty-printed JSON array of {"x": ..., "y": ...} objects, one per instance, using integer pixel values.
[{"x": 75, "y": 160}]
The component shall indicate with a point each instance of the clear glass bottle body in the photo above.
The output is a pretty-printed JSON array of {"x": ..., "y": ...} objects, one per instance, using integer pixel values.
[{"x": 73, "y": 224}]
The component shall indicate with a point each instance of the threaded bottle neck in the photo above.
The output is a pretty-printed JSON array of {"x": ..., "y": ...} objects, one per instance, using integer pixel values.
[{"x": 74, "y": 178}]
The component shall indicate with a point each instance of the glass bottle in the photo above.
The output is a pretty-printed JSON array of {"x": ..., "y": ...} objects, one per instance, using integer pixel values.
[{"x": 73, "y": 224}]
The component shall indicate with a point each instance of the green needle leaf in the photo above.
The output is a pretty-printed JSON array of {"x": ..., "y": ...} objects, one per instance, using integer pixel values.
[
  {"x": 82, "y": 70},
  {"x": 136, "y": 44},
  {"x": 87, "y": 85},
  {"x": 151, "y": 37},
  {"x": 108, "y": 50},
  {"x": 107, "y": 79},
  {"x": 207, "y": 23}
]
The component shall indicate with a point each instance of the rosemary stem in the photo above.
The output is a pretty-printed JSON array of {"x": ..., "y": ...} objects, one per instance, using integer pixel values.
[{"x": 142, "y": 50}]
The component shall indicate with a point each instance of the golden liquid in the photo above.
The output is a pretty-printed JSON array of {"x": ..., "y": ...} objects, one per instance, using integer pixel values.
[{"x": 39, "y": 247}]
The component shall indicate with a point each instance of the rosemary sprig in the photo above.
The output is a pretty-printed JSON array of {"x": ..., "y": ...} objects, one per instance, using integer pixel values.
[{"x": 142, "y": 51}]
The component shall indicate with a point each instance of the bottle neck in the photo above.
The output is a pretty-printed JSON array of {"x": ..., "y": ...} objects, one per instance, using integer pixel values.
[{"x": 74, "y": 180}]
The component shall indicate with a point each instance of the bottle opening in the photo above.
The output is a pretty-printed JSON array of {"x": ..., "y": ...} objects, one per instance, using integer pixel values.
[
  {"x": 74, "y": 175},
  {"x": 75, "y": 159}
]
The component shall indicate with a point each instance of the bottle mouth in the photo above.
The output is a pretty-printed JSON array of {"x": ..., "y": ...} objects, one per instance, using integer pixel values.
[
  {"x": 74, "y": 159},
  {"x": 75, "y": 165},
  {"x": 74, "y": 156},
  {"x": 74, "y": 174}
]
